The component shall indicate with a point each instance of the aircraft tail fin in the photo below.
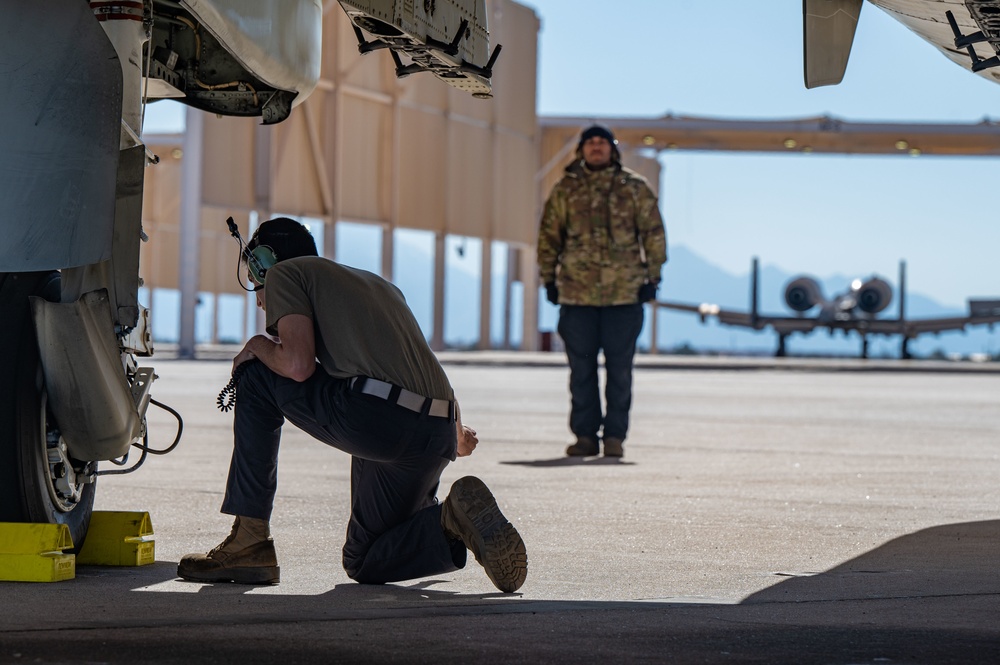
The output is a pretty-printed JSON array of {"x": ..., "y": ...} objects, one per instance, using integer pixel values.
[{"x": 828, "y": 28}]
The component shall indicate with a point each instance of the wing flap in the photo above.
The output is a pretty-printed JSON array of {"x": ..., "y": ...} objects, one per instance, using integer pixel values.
[{"x": 828, "y": 28}]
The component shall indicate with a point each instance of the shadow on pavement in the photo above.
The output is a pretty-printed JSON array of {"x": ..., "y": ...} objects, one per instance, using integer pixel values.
[
  {"x": 953, "y": 560},
  {"x": 932, "y": 596},
  {"x": 571, "y": 461}
]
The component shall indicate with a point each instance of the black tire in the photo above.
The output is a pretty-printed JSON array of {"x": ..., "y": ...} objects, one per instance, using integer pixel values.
[{"x": 29, "y": 491}]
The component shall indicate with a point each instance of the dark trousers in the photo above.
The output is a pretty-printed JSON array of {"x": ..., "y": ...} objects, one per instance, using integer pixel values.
[
  {"x": 586, "y": 331},
  {"x": 397, "y": 458}
]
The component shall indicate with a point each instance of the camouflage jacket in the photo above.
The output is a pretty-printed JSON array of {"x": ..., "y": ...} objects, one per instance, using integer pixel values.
[{"x": 601, "y": 236}]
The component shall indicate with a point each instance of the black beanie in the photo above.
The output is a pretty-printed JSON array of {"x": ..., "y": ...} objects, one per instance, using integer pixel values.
[{"x": 597, "y": 130}]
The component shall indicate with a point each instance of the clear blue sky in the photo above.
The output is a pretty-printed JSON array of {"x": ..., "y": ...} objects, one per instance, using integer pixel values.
[
  {"x": 825, "y": 215},
  {"x": 817, "y": 214}
]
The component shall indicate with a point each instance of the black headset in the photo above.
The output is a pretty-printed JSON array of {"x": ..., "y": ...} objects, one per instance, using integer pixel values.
[{"x": 259, "y": 260}]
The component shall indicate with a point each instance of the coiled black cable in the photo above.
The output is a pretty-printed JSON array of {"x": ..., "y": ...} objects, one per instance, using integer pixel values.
[{"x": 227, "y": 397}]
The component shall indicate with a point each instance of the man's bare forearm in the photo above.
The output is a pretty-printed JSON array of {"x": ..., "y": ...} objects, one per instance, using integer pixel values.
[{"x": 276, "y": 358}]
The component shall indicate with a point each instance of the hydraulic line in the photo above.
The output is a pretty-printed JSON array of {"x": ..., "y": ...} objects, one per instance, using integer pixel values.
[{"x": 144, "y": 446}]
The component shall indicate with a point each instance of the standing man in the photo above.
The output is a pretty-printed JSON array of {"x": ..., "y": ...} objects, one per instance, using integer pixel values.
[
  {"x": 601, "y": 246},
  {"x": 379, "y": 394}
]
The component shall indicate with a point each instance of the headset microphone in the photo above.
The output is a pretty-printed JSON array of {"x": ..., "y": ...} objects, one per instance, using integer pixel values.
[{"x": 259, "y": 260}]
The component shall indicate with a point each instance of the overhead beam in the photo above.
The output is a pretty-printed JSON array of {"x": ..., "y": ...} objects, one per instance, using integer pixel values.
[{"x": 823, "y": 134}]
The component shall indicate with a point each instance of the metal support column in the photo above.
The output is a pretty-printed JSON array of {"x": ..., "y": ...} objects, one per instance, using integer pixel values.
[
  {"x": 485, "y": 294},
  {"x": 188, "y": 272},
  {"x": 437, "y": 337},
  {"x": 529, "y": 278},
  {"x": 509, "y": 280}
]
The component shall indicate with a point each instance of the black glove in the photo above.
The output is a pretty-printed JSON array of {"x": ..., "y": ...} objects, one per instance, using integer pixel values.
[
  {"x": 552, "y": 293},
  {"x": 647, "y": 291}
]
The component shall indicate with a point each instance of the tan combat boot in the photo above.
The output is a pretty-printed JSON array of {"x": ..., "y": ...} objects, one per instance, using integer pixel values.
[
  {"x": 470, "y": 514},
  {"x": 246, "y": 556}
]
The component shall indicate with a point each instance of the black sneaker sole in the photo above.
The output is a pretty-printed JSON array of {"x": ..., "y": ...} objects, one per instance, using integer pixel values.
[
  {"x": 494, "y": 541},
  {"x": 265, "y": 575}
]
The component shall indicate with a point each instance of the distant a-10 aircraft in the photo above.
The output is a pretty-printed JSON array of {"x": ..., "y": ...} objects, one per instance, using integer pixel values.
[{"x": 854, "y": 309}]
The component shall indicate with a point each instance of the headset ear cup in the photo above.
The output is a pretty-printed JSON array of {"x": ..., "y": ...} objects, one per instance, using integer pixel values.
[{"x": 264, "y": 259}]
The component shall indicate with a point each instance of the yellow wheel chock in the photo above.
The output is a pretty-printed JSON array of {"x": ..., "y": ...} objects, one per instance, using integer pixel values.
[
  {"x": 34, "y": 553},
  {"x": 118, "y": 539}
]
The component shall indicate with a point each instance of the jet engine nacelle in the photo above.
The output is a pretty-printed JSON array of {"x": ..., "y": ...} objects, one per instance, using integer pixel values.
[
  {"x": 874, "y": 295},
  {"x": 803, "y": 293}
]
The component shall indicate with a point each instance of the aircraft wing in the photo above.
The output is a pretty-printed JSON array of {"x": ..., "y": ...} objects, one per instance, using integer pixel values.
[
  {"x": 784, "y": 325},
  {"x": 729, "y": 317},
  {"x": 914, "y": 327}
]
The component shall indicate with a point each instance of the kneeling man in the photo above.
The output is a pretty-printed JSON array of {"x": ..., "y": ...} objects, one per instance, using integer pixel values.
[{"x": 350, "y": 366}]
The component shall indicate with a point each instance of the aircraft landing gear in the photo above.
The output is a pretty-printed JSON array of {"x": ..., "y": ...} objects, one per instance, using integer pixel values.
[{"x": 39, "y": 481}]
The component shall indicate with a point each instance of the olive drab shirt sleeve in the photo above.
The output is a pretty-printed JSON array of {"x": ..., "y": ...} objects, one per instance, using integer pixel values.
[{"x": 601, "y": 237}]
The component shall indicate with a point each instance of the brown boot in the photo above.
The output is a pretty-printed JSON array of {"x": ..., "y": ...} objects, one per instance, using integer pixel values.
[
  {"x": 584, "y": 447},
  {"x": 246, "y": 556},
  {"x": 613, "y": 447},
  {"x": 470, "y": 514}
]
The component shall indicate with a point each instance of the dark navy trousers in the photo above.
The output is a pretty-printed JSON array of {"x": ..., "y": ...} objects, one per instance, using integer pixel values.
[
  {"x": 586, "y": 331},
  {"x": 397, "y": 455}
]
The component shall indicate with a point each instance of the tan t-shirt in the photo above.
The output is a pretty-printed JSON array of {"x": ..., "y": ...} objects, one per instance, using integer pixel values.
[{"x": 362, "y": 323}]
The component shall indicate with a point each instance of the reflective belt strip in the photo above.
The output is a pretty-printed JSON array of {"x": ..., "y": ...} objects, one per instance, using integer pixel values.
[{"x": 439, "y": 408}]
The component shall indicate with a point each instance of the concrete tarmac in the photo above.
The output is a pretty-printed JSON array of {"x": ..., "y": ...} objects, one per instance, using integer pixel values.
[{"x": 766, "y": 513}]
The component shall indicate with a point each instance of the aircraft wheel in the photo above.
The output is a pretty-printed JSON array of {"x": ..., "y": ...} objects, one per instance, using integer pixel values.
[{"x": 39, "y": 481}]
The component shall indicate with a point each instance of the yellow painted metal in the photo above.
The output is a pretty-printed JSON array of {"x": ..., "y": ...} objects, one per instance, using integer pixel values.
[
  {"x": 118, "y": 538},
  {"x": 34, "y": 553}
]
